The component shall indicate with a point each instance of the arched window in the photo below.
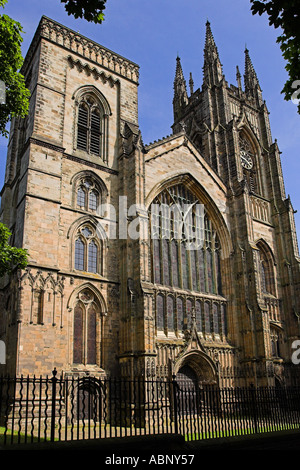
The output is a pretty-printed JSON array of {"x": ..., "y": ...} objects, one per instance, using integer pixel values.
[
  {"x": 180, "y": 318},
  {"x": 170, "y": 313},
  {"x": 92, "y": 122},
  {"x": 275, "y": 343},
  {"x": 88, "y": 250},
  {"x": 185, "y": 244},
  {"x": 86, "y": 330},
  {"x": 198, "y": 312},
  {"x": 89, "y": 125},
  {"x": 79, "y": 253},
  {"x": 88, "y": 194},
  {"x": 160, "y": 309},
  {"x": 266, "y": 269}
]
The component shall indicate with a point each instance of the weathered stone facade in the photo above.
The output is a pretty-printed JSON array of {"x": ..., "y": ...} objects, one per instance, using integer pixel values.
[{"x": 90, "y": 302}]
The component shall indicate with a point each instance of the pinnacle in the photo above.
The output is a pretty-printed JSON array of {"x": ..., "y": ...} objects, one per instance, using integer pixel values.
[
  {"x": 179, "y": 72},
  {"x": 249, "y": 68},
  {"x": 210, "y": 49},
  {"x": 212, "y": 65}
]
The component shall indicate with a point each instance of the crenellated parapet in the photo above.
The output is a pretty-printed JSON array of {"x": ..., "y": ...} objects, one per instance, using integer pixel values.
[{"x": 83, "y": 47}]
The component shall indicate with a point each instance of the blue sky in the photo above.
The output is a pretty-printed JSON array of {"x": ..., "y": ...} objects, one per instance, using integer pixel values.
[{"x": 153, "y": 33}]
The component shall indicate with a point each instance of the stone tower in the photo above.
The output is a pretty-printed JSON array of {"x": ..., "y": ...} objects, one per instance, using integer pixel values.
[{"x": 116, "y": 284}]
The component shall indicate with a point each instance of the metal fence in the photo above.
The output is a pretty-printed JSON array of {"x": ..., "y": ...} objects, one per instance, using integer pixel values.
[{"x": 62, "y": 408}]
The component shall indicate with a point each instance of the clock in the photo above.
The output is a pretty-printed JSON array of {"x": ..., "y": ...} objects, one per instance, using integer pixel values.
[{"x": 246, "y": 160}]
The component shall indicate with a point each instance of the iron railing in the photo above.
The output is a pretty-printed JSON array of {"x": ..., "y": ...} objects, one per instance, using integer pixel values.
[{"x": 37, "y": 409}]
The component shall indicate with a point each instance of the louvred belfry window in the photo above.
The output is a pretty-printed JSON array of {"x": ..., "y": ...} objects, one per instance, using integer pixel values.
[
  {"x": 89, "y": 126},
  {"x": 82, "y": 132}
]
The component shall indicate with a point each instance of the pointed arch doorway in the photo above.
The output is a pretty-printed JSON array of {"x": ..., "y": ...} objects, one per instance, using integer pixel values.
[
  {"x": 187, "y": 377},
  {"x": 193, "y": 372},
  {"x": 196, "y": 368}
]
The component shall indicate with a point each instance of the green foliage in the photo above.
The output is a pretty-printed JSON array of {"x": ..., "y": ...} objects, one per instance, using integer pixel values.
[
  {"x": 90, "y": 10},
  {"x": 17, "y": 96},
  {"x": 10, "y": 257},
  {"x": 284, "y": 14}
]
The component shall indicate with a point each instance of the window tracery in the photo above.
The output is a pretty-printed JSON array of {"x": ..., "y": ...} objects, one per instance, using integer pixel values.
[
  {"x": 86, "y": 330},
  {"x": 174, "y": 262},
  {"x": 177, "y": 268},
  {"x": 88, "y": 194},
  {"x": 88, "y": 250}
]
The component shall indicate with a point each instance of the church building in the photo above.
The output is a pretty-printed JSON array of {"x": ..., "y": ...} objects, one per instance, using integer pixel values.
[{"x": 178, "y": 258}]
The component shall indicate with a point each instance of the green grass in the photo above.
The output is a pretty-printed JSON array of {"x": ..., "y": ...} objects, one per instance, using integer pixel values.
[
  {"x": 15, "y": 437},
  {"x": 239, "y": 432}
]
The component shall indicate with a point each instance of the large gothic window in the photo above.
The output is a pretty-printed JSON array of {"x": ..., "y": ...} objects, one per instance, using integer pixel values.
[
  {"x": 86, "y": 330},
  {"x": 88, "y": 250},
  {"x": 186, "y": 266},
  {"x": 185, "y": 244}
]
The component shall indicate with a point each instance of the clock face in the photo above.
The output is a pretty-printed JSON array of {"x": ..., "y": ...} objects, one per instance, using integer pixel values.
[{"x": 246, "y": 160}]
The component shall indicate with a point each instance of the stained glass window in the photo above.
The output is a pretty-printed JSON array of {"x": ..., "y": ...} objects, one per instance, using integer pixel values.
[
  {"x": 201, "y": 264},
  {"x": 185, "y": 245},
  {"x": 223, "y": 319},
  {"x": 91, "y": 335},
  {"x": 80, "y": 197},
  {"x": 78, "y": 335},
  {"x": 87, "y": 247},
  {"x": 209, "y": 271},
  {"x": 166, "y": 262},
  {"x": 216, "y": 318},
  {"x": 193, "y": 259},
  {"x": 189, "y": 307},
  {"x": 207, "y": 318},
  {"x": 92, "y": 257},
  {"x": 185, "y": 255},
  {"x": 180, "y": 323},
  {"x": 93, "y": 200},
  {"x": 85, "y": 332},
  {"x": 88, "y": 196},
  {"x": 198, "y": 312},
  {"x": 174, "y": 255},
  {"x": 184, "y": 267},
  {"x": 218, "y": 288},
  {"x": 170, "y": 313},
  {"x": 79, "y": 254},
  {"x": 160, "y": 312},
  {"x": 156, "y": 261}
]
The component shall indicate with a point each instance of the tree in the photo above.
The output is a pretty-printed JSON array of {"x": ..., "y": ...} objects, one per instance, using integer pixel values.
[
  {"x": 17, "y": 95},
  {"x": 284, "y": 14},
  {"x": 90, "y": 10},
  {"x": 10, "y": 257}
]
